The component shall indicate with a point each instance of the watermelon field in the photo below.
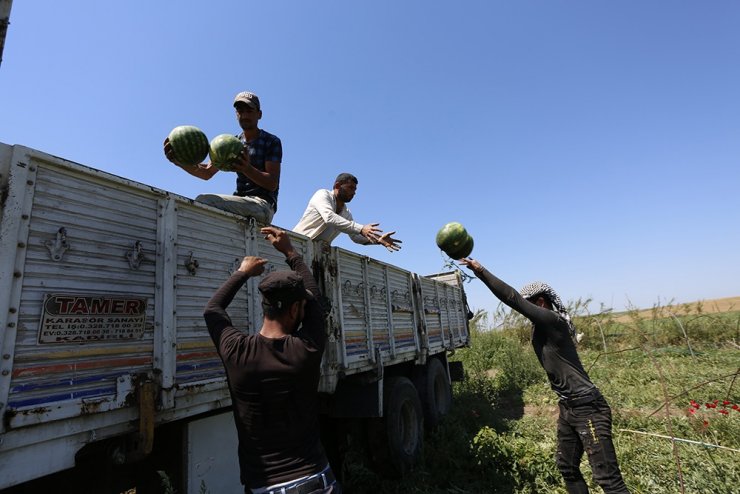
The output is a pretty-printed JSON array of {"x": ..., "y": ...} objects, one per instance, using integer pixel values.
[{"x": 670, "y": 375}]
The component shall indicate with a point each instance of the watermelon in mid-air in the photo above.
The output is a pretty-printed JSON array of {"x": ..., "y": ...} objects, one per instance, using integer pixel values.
[
  {"x": 454, "y": 240},
  {"x": 464, "y": 251},
  {"x": 189, "y": 145},
  {"x": 451, "y": 236},
  {"x": 224, "y": 151}
]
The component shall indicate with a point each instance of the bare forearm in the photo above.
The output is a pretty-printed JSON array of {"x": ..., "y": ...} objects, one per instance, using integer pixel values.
[
  {"x": 264, "y": 179},
  {"x": 269, "y": 179},
  {"x": 203, "y": 171}
]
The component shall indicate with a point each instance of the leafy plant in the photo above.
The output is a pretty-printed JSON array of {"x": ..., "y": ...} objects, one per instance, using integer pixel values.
[
  {"x": 500, "y": 433},
  {"x": 166, "y": 482}
]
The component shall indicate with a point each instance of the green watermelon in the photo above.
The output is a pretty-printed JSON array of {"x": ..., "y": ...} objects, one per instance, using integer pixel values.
[
  {"x": 464, "y": 251},
  {"x": 224, "y": 151},
  {"x": 189, "y": 144},
  {"x": 451, "y": 237}
]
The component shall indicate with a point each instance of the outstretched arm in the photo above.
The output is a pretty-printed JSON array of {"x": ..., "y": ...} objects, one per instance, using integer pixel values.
[{"x": 509, "y": 296}]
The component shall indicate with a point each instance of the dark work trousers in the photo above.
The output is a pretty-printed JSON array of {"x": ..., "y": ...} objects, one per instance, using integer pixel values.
[{"x": 588, "y": 427}]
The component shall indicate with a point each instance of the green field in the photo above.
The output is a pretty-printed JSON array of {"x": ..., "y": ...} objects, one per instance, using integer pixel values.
[{"x": 500, "y": 435}]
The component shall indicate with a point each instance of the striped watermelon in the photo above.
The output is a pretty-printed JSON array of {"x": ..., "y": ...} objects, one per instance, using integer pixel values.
[
  {"x": 189, "y": 144},
  {"x": 464, "y": 251},
  {"x": 451, "y": 236},
  {"x": 454, "y": 240},
  {"x": 224, "y": 151}
]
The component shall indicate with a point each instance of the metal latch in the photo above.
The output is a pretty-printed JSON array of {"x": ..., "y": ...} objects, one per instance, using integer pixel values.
[
  {"x": 59, "y": 245},
  {"x": 135, "y": 256}
]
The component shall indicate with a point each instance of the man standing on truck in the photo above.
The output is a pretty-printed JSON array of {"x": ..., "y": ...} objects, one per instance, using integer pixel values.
[
  {"x": 274, "y": 375},
  {"x": 327, "y": 215},
  {"x": 585, "y": 420},
  {"x": 257, "y": 169}
]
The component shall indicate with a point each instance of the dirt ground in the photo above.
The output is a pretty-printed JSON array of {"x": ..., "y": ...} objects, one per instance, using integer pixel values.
[{"x": 727, "y": 304}]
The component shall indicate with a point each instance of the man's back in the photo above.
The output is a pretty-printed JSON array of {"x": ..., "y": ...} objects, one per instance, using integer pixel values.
[
  {"x": 273, "y": 380},
  {"x": 273, "y": 384}
]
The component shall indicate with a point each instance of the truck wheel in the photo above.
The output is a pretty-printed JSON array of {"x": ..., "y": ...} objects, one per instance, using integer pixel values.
[
  {"x": 396, "y": 440},
  {"x": 438, "y": 394}
]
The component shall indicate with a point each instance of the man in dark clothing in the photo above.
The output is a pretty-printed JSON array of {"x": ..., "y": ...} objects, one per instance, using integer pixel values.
[
  {"x": 585, "y": 421},
  {"x": 273, "y": 376},
  {"x": 257, "y": 169}
]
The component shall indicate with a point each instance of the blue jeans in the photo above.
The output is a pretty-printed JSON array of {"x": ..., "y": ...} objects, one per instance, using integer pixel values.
[
  {"x": 323, "y": 482},
  {"x": 588, "y": 427}
]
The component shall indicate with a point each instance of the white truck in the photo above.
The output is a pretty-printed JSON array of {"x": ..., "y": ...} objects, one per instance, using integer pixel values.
[{"x": 105, "y": 360}]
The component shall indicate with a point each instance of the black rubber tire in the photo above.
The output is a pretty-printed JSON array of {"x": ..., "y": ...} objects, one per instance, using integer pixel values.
[
  {"x": 437, "y": 393},
  {"x": 396, "y": 441}
]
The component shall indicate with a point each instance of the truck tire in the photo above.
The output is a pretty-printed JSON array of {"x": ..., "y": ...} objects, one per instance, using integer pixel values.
[
  {"x": 397, "y": 439},
  {"x": 437, "y": 393}
]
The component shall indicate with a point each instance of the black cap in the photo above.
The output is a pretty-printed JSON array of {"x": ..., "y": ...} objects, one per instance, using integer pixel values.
[{"x": 282, "y": 288}]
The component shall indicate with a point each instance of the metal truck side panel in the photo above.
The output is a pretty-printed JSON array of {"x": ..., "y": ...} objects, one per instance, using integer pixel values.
[
  {"x": 110, "y": 239},
  {"x": 103, "y": 285},
  {"x": 210, "y": 246}
]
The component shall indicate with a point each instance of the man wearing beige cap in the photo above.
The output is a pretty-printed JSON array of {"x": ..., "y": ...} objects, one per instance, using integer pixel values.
[{"x": 257, "y": 170}]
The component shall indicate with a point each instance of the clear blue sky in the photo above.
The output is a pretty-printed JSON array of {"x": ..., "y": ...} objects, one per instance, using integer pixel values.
[{"x": 593, "y": 145}]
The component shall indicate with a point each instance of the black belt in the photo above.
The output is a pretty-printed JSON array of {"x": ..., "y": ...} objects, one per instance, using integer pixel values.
[
  {"x": 322, "y": 481},
  {"x": 582, "y": 400}
]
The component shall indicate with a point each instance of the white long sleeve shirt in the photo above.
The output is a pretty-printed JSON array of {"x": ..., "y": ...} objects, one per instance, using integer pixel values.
[{"x": 321, "y": 221}]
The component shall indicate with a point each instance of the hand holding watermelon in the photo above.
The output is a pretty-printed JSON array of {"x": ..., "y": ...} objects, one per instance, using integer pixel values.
[
  {"x": 186, "y": 146},
  {"x": 241, "y": 163},
  {"x": 226, "y": 151}
]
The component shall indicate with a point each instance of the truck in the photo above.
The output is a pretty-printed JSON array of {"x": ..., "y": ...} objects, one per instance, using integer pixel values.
[{"x": 107, "y": 368}]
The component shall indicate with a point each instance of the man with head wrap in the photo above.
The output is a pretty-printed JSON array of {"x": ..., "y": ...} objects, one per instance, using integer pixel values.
[{"x": 585, "y": 421}]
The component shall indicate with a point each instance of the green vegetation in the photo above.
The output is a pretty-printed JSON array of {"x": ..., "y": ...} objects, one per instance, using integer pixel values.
[{"x": 672, "y": 375}]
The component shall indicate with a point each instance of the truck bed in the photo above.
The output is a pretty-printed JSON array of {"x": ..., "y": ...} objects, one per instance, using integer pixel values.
[{"x": 104, "y": 281}]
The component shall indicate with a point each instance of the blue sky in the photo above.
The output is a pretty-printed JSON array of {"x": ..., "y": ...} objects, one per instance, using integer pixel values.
[{"x": 593, "y": 145}]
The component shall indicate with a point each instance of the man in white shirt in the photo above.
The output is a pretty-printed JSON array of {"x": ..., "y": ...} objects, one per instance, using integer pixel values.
[{"x": 327, "y": 215}]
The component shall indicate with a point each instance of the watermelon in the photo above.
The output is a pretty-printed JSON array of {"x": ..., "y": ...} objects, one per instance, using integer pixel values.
[
  {"x": 451, "y": 237},
  {"x": 189, "y": 145},
  {"x": 224, "y": 151},
  {"x": 464, "y": 251}
]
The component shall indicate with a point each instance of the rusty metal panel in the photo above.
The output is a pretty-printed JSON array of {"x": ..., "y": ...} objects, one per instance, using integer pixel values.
[
  {"x": 87, "y": 236},
  {"x": 381, "y": 322},
  {"x": 356, "y": 336},
  {"x": 406, "y": 328},
  {"x": 394, "y": 325},
  {"x": 210, "y": 246},
  {"x": 432, "y": 312},
  {"x": 445, "y": 311}
]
